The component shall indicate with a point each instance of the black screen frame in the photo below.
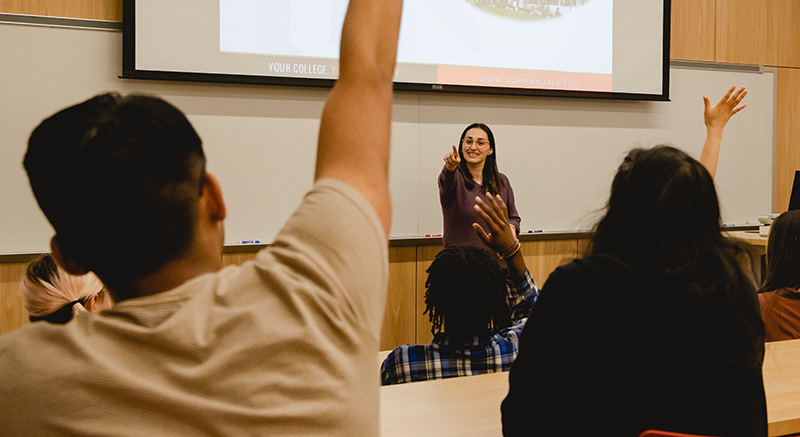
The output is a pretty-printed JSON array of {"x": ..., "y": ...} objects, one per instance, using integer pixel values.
[{"x": 129, "y": 71}]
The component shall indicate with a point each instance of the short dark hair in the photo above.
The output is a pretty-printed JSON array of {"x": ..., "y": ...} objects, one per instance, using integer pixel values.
[
  {"x": 663, "y": 217},
  {"x": 466, "y": 295},
  {"x": 491, "y": 175},
  {"x": 119, "y": 179},
  {"x": 783, "y": 253}
]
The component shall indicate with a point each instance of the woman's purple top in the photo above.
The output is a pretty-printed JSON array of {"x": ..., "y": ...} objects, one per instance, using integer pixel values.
[{"x": 458, "y": 208}]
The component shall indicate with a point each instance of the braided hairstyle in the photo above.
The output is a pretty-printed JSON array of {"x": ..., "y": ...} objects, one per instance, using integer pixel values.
[{"x": 466, "y": 295}]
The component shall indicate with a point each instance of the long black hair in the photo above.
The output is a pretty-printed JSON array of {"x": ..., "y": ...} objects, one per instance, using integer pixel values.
[
  {"x": 663, "y": 218},
  {"x": 491, "y": 176},
  {"x": 783, "y": 255},
  {"x": 466, "y": 295}
]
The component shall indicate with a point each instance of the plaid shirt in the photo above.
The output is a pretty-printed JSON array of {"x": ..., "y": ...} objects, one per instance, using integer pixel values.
[{"x": 417, "y": 362}]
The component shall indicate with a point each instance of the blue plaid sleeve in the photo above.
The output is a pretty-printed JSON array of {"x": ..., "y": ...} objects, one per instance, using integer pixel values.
[{"x": 522, "y": 294}]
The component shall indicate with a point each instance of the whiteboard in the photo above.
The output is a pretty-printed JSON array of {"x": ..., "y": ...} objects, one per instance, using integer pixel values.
[{"x": 559, "y": 154}]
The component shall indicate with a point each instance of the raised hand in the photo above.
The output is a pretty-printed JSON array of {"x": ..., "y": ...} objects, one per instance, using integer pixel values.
[
  {"x": 717, "y": 116},
  {"x": 452, "y": 160},
  {"x": 499, "y": 235}
]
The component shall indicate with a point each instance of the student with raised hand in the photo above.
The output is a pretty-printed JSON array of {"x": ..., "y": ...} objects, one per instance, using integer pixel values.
[
  {"x": 477, "y": 312},
  {"x": 471, "y": 171},
  {"x": 55, "y": 296},
  {"x": 779, "y": 296},
  {"x": 716, "y": 117},
  {"x": 282, "y": 345},
  {"x": 657, "y": 327}
]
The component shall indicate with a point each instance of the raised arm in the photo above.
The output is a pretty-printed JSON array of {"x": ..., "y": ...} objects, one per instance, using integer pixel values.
[
  {"x": 354, "y": 134},
  {"x": 716, "y": 117},
  {"x": 499, "y": 236}
]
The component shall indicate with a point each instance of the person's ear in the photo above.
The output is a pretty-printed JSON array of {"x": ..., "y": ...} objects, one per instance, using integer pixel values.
[
  {"x": 65, "y": 261},
  {"x": 212, "y": 196},
  {"x": 91, "y": 304}
]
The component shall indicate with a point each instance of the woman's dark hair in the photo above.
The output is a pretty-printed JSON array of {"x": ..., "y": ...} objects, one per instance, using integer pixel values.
[
  {"x": 466, "y": 295},
  {"x": 783, "y": 255},
  {"x": 663, "y": 218},
  {"x": 491, "y": 176}
]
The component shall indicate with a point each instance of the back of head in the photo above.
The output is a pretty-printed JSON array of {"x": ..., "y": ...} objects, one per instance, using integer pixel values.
[
  {"x": 119, "y": 179},
  {"x": 52, "y": 294},
  {"x": 466, "y": 294},
  {"x": 662, "y": 214},
  {"x": 783, "y": 253},
  {"x": 663, "y": 218}
]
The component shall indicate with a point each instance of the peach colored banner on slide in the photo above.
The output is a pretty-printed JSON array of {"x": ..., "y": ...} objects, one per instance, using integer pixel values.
[{"x": 501, "y": 77}]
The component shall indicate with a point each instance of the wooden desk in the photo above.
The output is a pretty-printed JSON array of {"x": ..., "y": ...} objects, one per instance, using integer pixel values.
[
  {"x": 470, "y": 406},
  {"x": 466, "y": 406},
  {"x": 782, "y": 385},
  {"x": 751, "y": 238}
]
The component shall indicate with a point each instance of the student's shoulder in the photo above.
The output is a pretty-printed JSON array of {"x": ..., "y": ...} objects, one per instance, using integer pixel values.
[
  {"x": 586, "y": 277},
  {"x": 332, "y": 211},
  {"x": 32, "y": 346}
]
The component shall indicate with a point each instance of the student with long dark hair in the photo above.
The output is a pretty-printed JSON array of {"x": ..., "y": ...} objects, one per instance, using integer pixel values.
[
  {"x": 470, "y": 171},
  {"x": 779, "y": 296},
  {"x": 657, "y": 327}
]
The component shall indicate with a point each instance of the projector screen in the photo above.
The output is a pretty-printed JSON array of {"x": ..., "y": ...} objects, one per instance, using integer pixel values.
[{"x": 582, "y": 48}]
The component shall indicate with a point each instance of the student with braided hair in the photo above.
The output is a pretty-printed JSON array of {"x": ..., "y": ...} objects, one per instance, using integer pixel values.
[
  {"x": 55, "y": 296},
  {"x": 476, "y": 310}
]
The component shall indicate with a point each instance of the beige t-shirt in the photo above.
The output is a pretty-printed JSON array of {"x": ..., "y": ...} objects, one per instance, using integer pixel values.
[{"x": 283, "y": 345}]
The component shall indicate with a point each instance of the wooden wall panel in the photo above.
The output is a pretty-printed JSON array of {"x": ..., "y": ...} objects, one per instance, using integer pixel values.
[
  {"x": 542, "y": 257},
  {"x": 785, "y": 35},
  {"x": 787, "y": 137},
  {"x": 110, "y": 10},
  {"x": 692, "y": 30},
  {"x": 743, "y": 32},
  {"x": 400, "y": 314},
  {"x": 229, "y": 259},
  {"x": 425, "y": 256},
  {"x": 13, "y": 312}
]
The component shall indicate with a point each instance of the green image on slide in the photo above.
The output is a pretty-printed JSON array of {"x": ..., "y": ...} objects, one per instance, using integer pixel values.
[{"x": 528, "y": 9}]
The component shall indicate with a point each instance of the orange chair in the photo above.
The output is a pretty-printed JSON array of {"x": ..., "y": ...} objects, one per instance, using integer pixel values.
[{"x": 654, "y": 433}]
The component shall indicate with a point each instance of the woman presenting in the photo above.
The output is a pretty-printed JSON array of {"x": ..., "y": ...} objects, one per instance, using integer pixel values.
[{"x": 471, "y": 171}]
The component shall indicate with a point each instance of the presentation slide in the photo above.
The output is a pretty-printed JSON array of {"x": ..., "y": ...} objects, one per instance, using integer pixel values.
[
  {"x": 608, "y": 46},
  {"x": 502, "y": 43}
]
